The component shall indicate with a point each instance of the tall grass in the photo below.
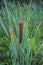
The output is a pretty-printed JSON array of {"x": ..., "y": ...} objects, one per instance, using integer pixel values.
[{"x": 31, "y": 45}]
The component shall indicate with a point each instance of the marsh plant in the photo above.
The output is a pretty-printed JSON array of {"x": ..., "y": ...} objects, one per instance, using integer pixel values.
[{"x": 21, "y": 25}]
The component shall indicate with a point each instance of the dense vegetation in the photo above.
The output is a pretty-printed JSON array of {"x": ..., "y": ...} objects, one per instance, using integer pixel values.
[{"x": 30, "y": 51}]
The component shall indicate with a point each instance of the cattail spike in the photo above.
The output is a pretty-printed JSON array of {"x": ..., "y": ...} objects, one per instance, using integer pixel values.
[
  {"x": 21, "y": 31},
  {"x": 11, "y": 33}
]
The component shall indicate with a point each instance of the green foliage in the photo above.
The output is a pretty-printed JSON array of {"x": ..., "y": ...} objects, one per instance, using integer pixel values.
[
  {"x": 5, "y": 54},
  {"x": 30, "y": 51}
]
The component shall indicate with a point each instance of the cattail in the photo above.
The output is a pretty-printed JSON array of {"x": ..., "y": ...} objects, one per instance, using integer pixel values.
[
  {"x": 21, "y": 31},
  {"x": 11, "y": 33}
]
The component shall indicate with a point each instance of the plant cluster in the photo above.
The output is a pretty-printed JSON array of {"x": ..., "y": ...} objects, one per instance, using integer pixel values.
[{"x": 28, "y": 51}]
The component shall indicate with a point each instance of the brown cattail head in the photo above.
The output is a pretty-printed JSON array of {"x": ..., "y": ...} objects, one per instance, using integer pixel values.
[{"x": 21, "y": 31}]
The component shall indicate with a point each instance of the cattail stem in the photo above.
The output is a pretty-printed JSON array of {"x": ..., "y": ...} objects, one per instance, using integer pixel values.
[{"x": 21, "y": 31}]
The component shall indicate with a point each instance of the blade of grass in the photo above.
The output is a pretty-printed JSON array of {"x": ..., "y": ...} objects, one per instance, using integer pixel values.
[{"x": 1, "y": 22}]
